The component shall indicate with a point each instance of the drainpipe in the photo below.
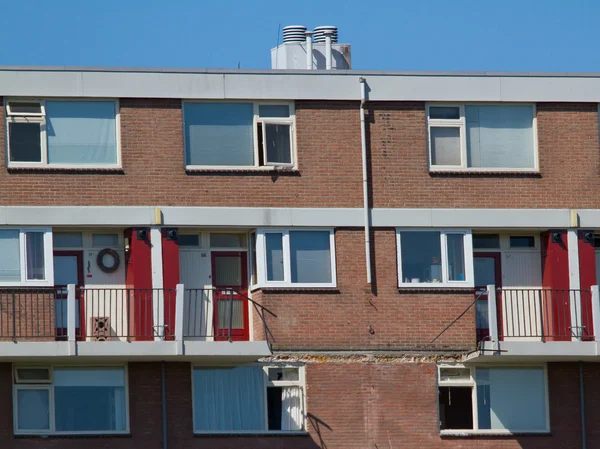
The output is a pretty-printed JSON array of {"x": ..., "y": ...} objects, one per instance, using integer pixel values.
[
  {"x": 163, "y": 389},
  {"x": 309, "y": 50},
  {"x": 328, "y": 34},
  {"x": 365, "y": 180},
  {"x": 582, "y": 405}
]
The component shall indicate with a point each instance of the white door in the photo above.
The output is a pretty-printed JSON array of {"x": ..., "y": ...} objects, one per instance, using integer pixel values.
[{"x": 195, "y": 275}]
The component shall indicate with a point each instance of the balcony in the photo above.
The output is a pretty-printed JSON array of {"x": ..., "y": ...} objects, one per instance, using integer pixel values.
[
  {"x": 542, "y": 324},
  {"x": 130, "y": 322}
]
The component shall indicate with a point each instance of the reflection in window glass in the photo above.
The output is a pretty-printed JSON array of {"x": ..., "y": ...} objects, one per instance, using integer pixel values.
[{"x": 10, "y": 259}]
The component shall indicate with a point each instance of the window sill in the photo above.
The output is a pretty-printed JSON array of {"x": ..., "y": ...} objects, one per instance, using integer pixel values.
[
  {"x": 332, "y": 290},
  {"x": 492, "y": 433},
  {"x": 486, "y": 173},
  {"x": 65, "y": 169},
  {"x": 261, "y": 433},
  {"x": 430, "y": 289},
  {"x": 293, "y": 171},
  {"x": 71, "y": 435}
]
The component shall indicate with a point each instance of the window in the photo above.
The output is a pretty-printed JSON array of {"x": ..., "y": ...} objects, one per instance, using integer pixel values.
[
  {"x": 68, "y": 239},
  {"x": 25, "y": 257},
  {"x": 104, "y": 240},
  {"x": 493, "y": 400},
  {"x": 482, "y": 137},
  {"x": 288, "y": 258},
  {"x": 248, "y": 399},
  {"x": 62, "y": 133},
  {"x": 188, "y": 240},
  {"x": 227, "y": 240},
  {"x": 243, "y": 135},
  {"x": 431, "y": 258},
  {"x": 486, "y": 241},
  {"x": 522, "y": 241},
  {"x": 70, "y": 400}
]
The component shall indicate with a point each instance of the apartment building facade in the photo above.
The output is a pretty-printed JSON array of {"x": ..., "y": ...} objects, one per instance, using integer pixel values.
[{"x": 298, "y": 259}]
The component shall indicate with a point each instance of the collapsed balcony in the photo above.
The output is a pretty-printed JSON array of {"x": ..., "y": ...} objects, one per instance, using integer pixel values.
[{"x": 132, "y": 321}]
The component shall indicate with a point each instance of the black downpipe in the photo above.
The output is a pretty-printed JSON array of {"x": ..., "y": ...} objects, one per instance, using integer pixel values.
[{"x": 163, "y": 388}]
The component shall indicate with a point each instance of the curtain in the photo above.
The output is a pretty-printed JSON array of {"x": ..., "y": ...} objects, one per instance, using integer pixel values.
[
  {"x": 10, "y": 268},
  {"x": 81, "y": 132},
  {"x": 500, "y": 136},
  {"x": 310, "y": 256},
  {"x": 35, "y": 255},
  {"x": 291, "y": 409},
  {"x": 219, "y": 133},
  {"x": 445, "y": 145},
  {"x": 229, "y": 399},
  {"x": 511, "y": 399}
]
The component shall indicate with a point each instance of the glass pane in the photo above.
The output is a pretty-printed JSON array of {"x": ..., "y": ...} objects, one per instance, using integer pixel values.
[
  {"x": 485, "y": 271},
  {"x": 486, "y": 241},
  {"x": 500, "y": 136},
  {"x": 254, "y": 275},
  {"x": 65, "y": 270},
  {"x": 89, "y": 399},
  {"x": 277, "y": 141},
  {"x": 229, "y": 399},
  {"x": 511, "y": 399},
  {"x": 287, "y": 374},
  {"x": 455, "y": 374},
  {"x": 81, "y": 132},
  {"x": 219, "y": 133},
  {"x": 421, "y": 257},
  {"x": 444, "y": 112},
  {"x": 35, "y": 255},
  {"x": 274, "y": 255},
  {"x": 33, "y": 374},
  {"x": 284, "y": 409},
  {"x": 228, "y": 271},
  {"x": 225, "y": 307},
  {"x": 25, "y": 108},
  {"x": 188, "y": 240},
  {"x": 10, "y": 259},
  {"x": 25, "y": 142},
  {"x": 33, "y": 409},
  {"x": 310, "y": 257},
  {"x": 456, "y": 257},
  {"x": 226, "y": 241},
  {"x": 67, "y": 239},
  {"x": 105, "y": 240},
  {"x": 481, "y": 314},
  {"x": 274, "y": 110},
  {"x": 445, "y": 146},
  {"x": 527, "y": 241}
]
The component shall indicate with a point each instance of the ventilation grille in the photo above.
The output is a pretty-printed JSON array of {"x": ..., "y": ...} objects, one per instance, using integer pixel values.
[{"x": 100, "y": 328}]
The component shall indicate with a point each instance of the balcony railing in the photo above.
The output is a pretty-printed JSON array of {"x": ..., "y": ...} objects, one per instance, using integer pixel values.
[
  {"x": 128, "y": 314},
  {"x": 540, "y": 314}
]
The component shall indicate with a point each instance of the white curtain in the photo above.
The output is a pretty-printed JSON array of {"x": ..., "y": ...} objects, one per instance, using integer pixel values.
[{"x": 291, "y": 409}]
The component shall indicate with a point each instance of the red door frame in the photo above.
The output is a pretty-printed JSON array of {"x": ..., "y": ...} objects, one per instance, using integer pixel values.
[
  {"x": 61, "y": 333},
  {"x": 236, "y": 334},
  {"x": 497, "y": 256}
]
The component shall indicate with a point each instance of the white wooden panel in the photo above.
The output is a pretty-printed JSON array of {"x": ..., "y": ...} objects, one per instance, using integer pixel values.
[
  {"x": 521, "y": 310},
  {"x": 195, "y": 275}
]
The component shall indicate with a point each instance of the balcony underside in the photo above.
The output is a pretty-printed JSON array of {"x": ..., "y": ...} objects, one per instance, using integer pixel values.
[
  {"x": 536, "y": 351},
  {"x": 200, "y": 351}
]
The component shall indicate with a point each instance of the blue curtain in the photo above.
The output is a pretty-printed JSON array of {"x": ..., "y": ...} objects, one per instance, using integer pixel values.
[
  {"x": 500, "y": 136},
  {"x": 219, "y": 133},
  {"x": 229, "y": 399},
  {"x": 81, "y": 132}
]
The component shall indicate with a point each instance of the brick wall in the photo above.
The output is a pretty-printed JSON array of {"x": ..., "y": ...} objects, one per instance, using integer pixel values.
[
  {"x": 354, "y": 405},
  {"x": 28, "y": 314},
  {"x": 569, "y": 159},
  {"x": 352, "y": 317}
]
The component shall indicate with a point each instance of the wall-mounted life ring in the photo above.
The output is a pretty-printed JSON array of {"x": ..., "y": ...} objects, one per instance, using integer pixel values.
[{"x": 116, "y": 260}]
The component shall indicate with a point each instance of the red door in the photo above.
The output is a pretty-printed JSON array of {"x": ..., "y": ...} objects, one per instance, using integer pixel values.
[
  {"x": 68, "y": 269},
  {"x": 487, "y": 271},
  {"x": 230, "y": 280}
]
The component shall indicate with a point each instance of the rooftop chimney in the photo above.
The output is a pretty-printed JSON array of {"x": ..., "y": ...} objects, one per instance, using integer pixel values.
[{"x": 295, "y": 51}]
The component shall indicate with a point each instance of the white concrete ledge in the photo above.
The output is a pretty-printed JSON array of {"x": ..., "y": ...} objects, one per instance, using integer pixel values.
[{"x": 532, "y": 351}]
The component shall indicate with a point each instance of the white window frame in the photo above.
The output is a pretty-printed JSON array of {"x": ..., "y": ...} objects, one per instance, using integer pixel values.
[
  {"x": 41, "y": 118},
  {"x": 446, "y": 283},
  {"x": 26, "y": 381},
  {"x": 261, "y": 259},
  {"x": 48, "y": 280},
  {"x": 300, "y": 383},
  {"x": 257, "y": 121},
  {"x": 473, "y": 384},
  {"x": 461, "y": 123},
  {"x": 51, "y": 406},
  {"x": 504, "y": 239}
]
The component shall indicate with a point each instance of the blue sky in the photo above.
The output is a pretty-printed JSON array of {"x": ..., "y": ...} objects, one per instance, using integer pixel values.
[{"x": 496, "y": 35}]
